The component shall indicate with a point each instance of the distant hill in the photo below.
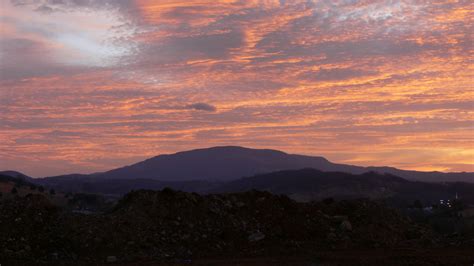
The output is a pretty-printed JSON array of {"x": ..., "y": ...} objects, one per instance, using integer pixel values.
[
  {"x": 311, "y": 184},
  {"x": 229, "y": 163},
  {"x": 15, "y": 174},
  {"x": 301, "y": 185},
  {"x": 87, "y": 184},
  {"x": 18, "y": 181},
  {"x": 15, "y": 178}
]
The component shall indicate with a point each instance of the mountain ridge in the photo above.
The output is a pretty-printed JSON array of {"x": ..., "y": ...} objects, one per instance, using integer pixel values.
[{"x": 227, "y": 163}]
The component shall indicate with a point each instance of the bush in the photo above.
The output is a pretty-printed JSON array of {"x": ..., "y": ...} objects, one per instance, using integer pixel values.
[
  {"x": 52, "y": 192},
  {"x": 14, "y": 190}
]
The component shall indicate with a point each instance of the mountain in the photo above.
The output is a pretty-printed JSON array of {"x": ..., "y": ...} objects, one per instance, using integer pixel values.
[
  {"x": 229, "y": 163},
  {"x": 202, "y": 170},
  {"x": 218, "y": 163}
]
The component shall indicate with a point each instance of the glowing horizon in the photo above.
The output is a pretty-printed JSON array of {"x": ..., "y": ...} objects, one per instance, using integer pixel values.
[{"x": 89, "y": 85}]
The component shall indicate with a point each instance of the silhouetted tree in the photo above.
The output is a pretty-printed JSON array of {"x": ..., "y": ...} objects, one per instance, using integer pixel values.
[
  {"x": 52, "y": 192},
  {"x": 32, "y": 187},
  {"x": 14, "y": 190},
  {"x": 41, "y": 189}
]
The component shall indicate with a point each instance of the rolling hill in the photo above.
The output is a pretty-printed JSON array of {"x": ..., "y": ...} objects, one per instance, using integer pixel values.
[{"x": 310, "y": 184}]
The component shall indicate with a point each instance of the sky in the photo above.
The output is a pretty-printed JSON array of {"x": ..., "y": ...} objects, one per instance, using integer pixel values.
[{"x": 89, "y": 85}]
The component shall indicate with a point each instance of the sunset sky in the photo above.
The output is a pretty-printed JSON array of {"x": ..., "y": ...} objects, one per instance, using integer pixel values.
[{"x": 90, "y": 85}]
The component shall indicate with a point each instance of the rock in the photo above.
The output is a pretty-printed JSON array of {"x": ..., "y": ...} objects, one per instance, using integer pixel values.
[
  {"x": 54, "y": 255},
  {"x": 7, "y": 251},
  {"x": 256, "y": 236},
  {"x": 111, "y": 259},
  {"x": 345, "y": 225},
  {"x": 339, "y": 218},
  {"x": 331, "y": 237}
]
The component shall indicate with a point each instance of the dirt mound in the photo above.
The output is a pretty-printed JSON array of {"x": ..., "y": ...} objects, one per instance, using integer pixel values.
[
  {"x": 27, "y": 227},
  {"x": 163, "y": 225}
]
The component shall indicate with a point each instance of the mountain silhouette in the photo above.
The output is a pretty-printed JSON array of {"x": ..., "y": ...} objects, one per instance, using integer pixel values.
[
  {"x": 220, "y": 164},
  {"x": 227, "y": 163}
]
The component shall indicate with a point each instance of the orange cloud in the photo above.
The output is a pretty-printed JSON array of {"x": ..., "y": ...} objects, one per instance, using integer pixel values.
[{"x": 370, "y": 83}]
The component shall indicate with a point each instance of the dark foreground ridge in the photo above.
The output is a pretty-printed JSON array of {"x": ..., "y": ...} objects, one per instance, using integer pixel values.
[{"x": 170, "y": 226}]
